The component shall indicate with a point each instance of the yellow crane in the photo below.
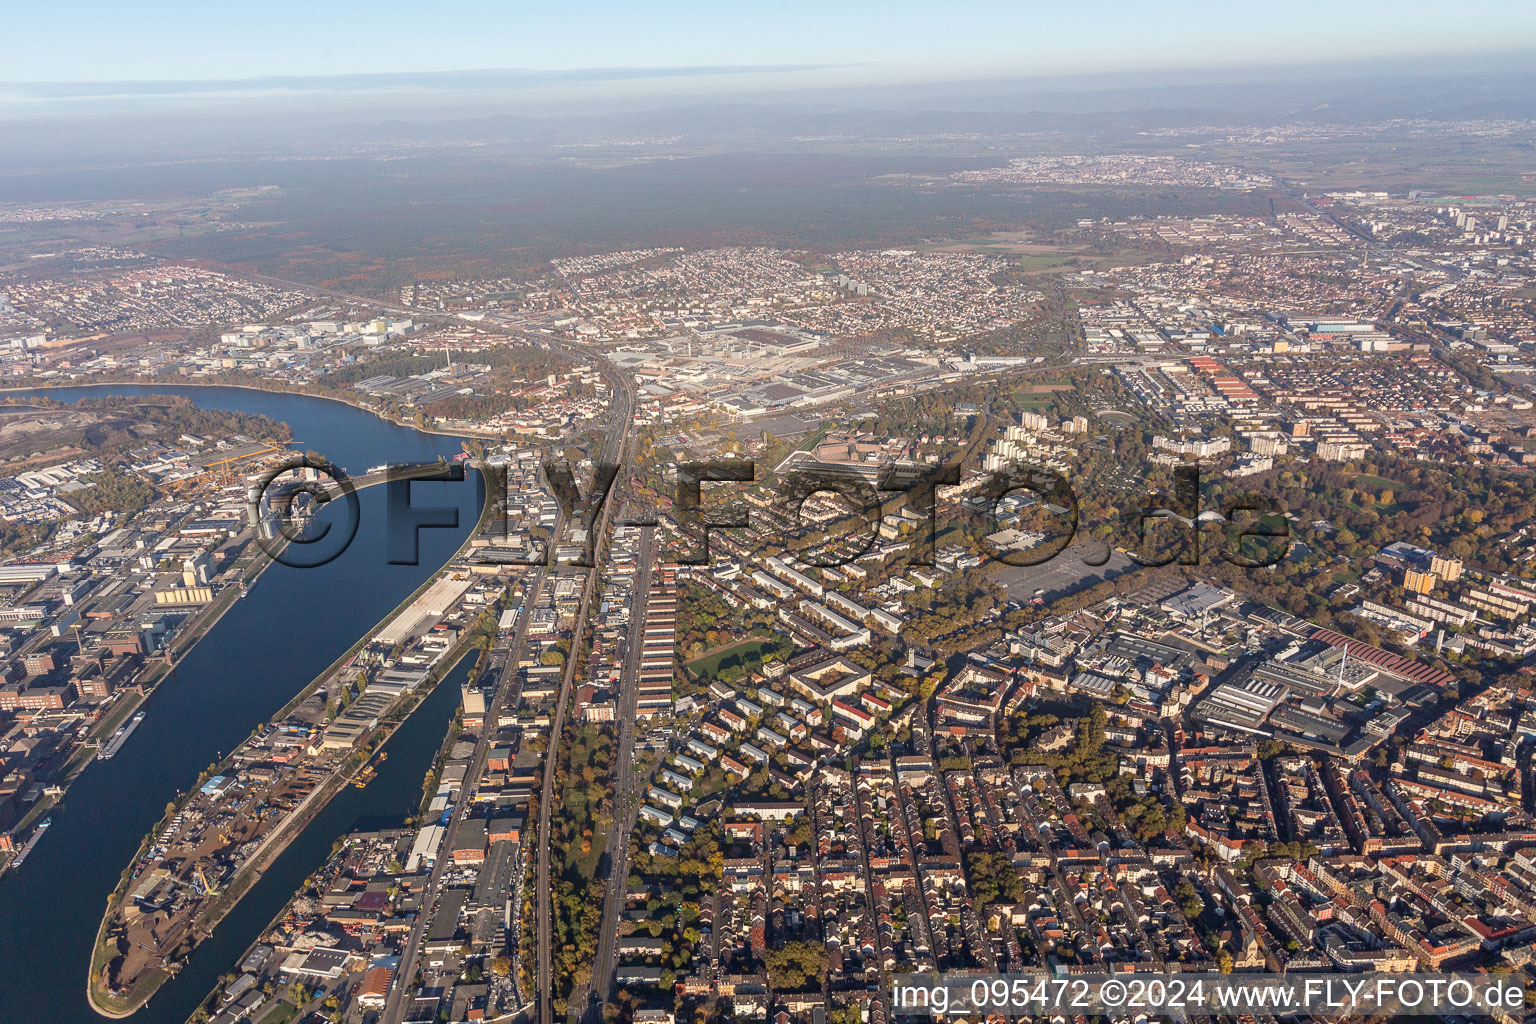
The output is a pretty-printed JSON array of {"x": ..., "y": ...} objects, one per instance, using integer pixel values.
[{"x": 207, "y": 886}]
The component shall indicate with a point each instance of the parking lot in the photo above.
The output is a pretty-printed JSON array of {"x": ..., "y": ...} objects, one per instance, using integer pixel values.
[{"x": 1063, "y": 574}]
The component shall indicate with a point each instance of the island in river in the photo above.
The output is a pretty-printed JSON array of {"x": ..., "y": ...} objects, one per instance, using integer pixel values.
[
  {"x": 215, "y": 841},
  {"x": 264, "y": 649}
]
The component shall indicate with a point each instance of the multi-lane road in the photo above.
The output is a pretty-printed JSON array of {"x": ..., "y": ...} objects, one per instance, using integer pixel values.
[
  {"x": 600, "y": 989},
  {"x": 616, "y": 447},
  {"x": 396, "y": 1003}
]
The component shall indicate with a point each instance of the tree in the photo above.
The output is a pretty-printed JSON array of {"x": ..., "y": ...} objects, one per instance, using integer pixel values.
[
  {"x": 112, "y": 491},
  {"x": 1191, "y": 904},
  {"x": 992, "y": 878},
  {"x": 1269, "y": 749},
  {"x": 794, "y": 964}
]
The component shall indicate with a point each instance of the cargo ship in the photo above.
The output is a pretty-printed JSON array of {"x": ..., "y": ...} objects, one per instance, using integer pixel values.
[
  {"x": 120, "y": 737},
  {"x": 36, "y": 835}
]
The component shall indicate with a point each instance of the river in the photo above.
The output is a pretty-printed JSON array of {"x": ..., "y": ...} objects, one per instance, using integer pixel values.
[{"x": 267, "y": 647}]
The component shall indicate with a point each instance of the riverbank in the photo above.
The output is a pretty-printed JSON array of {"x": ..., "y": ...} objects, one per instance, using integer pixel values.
[
  {"x": 109, "y": 381},
  {"x": 182, "y": 645},
  {"x": 207, "y": 918},
  {"x": 204, "y": 619},
  {"x": 406, "y": 816},
  {"x": 266, "y": 646}
]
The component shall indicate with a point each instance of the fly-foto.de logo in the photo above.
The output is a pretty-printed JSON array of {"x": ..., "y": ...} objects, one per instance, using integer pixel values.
[{"x": 284, "y": 506}]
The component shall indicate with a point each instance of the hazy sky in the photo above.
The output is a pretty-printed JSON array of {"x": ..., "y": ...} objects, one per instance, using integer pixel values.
[{"x": 159, "y": 40}]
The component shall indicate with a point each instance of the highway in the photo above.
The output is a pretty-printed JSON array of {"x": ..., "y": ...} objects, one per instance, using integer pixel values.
[
  {"x": 616, "y": 446},
  {"x": 625, "y": 806},
  {"x": 395, "y": 1004}
]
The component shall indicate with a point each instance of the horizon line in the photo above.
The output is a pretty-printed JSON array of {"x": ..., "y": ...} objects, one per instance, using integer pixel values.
[{"x": 920, "y": 73}]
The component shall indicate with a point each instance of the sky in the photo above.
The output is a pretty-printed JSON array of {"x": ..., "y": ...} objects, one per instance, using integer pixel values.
[{"x": 820, "y": 43}]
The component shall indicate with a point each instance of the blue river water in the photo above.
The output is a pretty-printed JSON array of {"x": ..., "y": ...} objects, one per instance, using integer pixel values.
[{"x": 293, "y": 623}]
